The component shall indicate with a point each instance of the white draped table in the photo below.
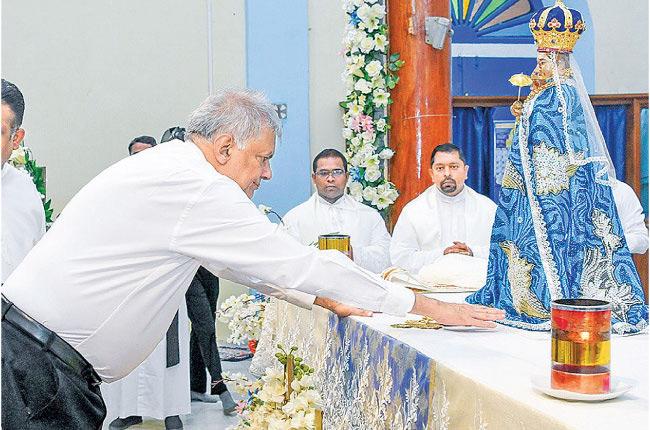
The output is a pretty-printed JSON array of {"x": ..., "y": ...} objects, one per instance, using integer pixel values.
[
  {"x": 498, "y": 364},
  {"x": 374, "y": 376}
]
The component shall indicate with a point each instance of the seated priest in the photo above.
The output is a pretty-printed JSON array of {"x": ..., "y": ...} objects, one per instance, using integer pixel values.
[
  {"x": 331, "y": 210},
  {"x": 93, "y": 299},
  {"x": 630, "y": 212},
  {"x": 447, "y": 218}
]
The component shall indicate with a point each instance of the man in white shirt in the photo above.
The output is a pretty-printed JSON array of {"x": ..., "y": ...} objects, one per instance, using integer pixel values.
[
  {"x": 113, "y": 270},
  {"x": 632, "y": 219},
  {"x": 23, "y": 216},
  {"x": 449, "y": 217},
  {"x": 330, "y": 210}
]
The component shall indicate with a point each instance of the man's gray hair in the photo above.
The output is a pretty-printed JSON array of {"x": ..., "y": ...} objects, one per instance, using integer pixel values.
[{"x": 243, "y": 113}]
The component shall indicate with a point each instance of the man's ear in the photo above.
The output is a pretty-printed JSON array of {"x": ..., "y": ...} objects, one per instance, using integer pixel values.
[
  {"x": 19, "y": 135},
  {"x": 466, "y": 171},
  {"x": 223, "y": 145},
  {"x": 431, "y": 173}
]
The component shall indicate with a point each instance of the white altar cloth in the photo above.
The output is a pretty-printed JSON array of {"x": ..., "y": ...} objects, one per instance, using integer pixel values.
[{"x": 499, "y": 364}]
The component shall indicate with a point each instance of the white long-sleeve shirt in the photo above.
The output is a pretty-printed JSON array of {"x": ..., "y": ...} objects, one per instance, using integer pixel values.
[
  {"x": 431, "y": 222},
  {"x": 632, "y": 219},
  {"x": 113, "y": 269},
  {"x": 368, "y": 235},
  {"x": 23, "y": 218}
]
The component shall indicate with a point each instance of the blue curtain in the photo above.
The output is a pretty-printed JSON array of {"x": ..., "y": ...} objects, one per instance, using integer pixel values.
[
  {"x": 613, "y": 121},
  {"x": 473, "y": 130}
]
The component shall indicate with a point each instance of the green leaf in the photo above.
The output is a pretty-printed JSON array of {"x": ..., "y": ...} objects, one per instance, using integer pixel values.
[{"x": 394, "y": 57}]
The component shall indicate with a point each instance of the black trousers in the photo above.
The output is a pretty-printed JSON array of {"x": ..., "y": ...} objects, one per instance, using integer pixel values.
[
  {"x": 201, "y": 298},
  {"x": 41, "y": 392}
]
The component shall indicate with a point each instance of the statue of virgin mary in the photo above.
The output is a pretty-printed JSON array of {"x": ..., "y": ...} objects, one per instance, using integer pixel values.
[{"x": 556, "y": 233}]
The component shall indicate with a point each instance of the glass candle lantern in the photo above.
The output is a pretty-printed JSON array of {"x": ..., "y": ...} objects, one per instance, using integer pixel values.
[{"x": 580, "y": 345}]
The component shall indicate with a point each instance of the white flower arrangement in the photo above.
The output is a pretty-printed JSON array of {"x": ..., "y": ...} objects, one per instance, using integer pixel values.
[
  {"x": 244, "y": 315},
  {"x": 22, "y": 158},
  {"x": 281, "y": 399},
  {"x": 369, "y": 76}
]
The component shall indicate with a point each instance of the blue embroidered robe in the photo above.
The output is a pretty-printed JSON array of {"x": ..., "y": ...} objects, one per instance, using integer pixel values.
[{"x": 556, "y": 232}]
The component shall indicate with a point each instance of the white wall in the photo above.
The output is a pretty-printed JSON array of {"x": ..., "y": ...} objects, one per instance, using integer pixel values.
[
  {"x": 621, "y": 45},
  {"x": 326, "y": 29},
  {"x": 96, "y": 74}
]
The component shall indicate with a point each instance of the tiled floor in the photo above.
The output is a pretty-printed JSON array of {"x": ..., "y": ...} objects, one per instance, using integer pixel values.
[{"x": 204, "y": 415}]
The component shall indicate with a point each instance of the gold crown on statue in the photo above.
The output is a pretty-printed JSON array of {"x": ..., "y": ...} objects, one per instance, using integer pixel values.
[{"x": 556, "y": 28}]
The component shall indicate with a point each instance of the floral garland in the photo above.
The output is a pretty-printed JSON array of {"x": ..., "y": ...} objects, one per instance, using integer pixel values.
[
  {"x": 244, "y": 315},
  {"x": 369, "y": 76},
  {"x": 21, "y": 158},
  {"x": 282, "y": 399}
]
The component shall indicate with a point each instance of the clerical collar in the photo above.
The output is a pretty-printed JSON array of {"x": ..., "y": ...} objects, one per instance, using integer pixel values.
[
  {"x": 450, "y": 199},
  {"x": 338, "y": 202}
]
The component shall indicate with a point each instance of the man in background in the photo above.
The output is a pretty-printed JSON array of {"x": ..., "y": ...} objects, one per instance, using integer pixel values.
[
  {"x": 23, "y": 216},
  {"x": 632, "y": 218},
  {"x": 331, "y": 210},
  {"x": 141, "y": 143},
  {"x": 448, "y": 217}
]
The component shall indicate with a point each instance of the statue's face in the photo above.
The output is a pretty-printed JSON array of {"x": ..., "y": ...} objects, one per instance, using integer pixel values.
[{"x": 544, "y": 69}]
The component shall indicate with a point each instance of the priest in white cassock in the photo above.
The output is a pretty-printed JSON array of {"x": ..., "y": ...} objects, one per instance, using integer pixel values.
[
  {"x": 632, "y": 219},
  {"x": 328, "y": 210},
  {"x": 93, "y": 299},
  {"x": 23, "y": 216},
  {"x": 331, "y": 210},
  {"x": 448, "y": 218}
]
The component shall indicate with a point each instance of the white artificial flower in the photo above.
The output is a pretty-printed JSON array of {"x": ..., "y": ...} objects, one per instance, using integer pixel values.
[
  {"x": 369, "y": 193},
  {"x": 363, "y": 86},
  {"x": 368, "y": 136},
  {"x": 273, "y": 374},
  {"x": 272, "y": 391},
  {"x": 371, "y": 1},
  {"x": 368, "y": 13},
  {"x": 264, "y": 209},
  {"x": 300, "y": 421},
  {"x": 311, "y": 396},
  {"x": 277, "y": 423},
  {"x": 371, "y": 25},
  {"x": 372, "y": 174},
  {"x": 381, "y": 42},
  {"x": 374, "y": 68},
  {"x": 356, "y": 190},
  {"x": 354, "y": 108},
  {"x": 371, "y": 160},
  {"x": 354, "y": 65},
  {"x": 380, "y": 98},
  {"x": 347, "y": 133},
  {"x": 386, "y": 153},
  {"x": 378, "y": 82},
  {"x": 355, "y": 141},
  {"x": 366, "y": 45},
  {"x": 17, "y": 157},
  {"x": 380, "y": 125}
]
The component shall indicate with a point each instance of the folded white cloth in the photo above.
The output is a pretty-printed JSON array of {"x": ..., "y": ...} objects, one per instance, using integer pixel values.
[{"x": 457, "y": 271}]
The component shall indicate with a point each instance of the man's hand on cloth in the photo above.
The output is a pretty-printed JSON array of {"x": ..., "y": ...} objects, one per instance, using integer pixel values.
[
  {"x": 340, "y": 309},
  {"x": 458, "y": 248},
  {"x": 457, "y": 313}
]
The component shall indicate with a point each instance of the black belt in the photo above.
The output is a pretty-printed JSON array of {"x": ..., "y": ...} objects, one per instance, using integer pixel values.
[{"x": 50, "y": 341}]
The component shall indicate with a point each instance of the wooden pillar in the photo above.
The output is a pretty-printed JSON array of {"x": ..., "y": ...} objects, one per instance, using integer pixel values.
[{"x": 421, "y": 111}]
